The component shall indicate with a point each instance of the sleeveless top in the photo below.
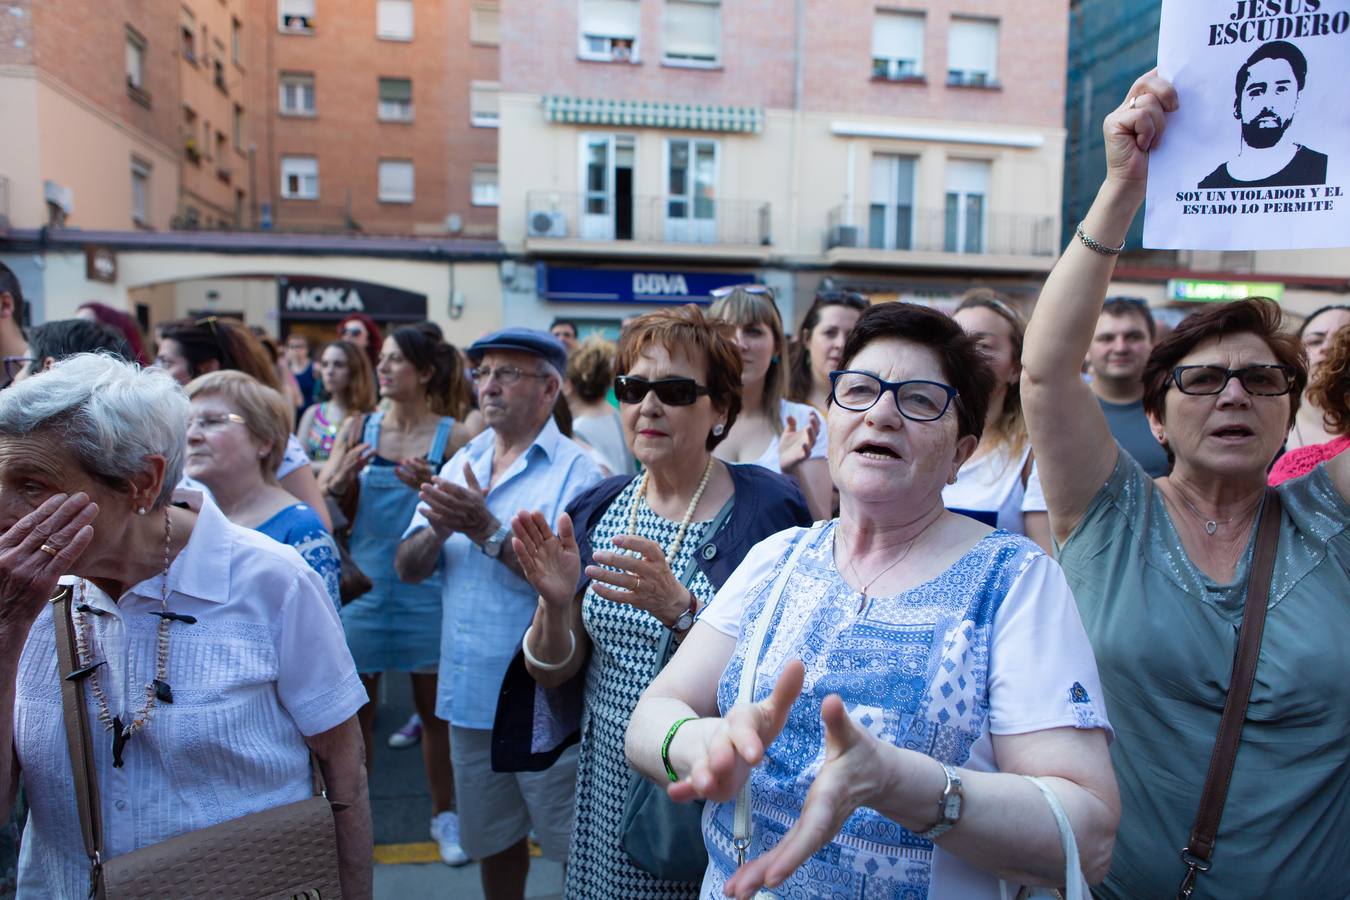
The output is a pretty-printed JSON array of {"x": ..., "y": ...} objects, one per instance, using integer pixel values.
[{"x": 322, "y": 433}]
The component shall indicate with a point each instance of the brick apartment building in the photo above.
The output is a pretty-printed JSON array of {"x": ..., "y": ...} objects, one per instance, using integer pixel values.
[{"x": 653, "y": 148}]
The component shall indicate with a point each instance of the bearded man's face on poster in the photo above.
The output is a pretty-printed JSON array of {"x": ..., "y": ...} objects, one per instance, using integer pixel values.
[{"x": 1267, "y": 103}]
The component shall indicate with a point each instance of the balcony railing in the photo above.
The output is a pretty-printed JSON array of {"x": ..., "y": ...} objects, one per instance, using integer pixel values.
[
  {"x": 880, "y": 227},
  {"x": 675, "y": 220}
]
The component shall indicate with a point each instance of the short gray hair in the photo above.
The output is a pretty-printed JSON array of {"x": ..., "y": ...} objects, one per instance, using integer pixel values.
[{"x": 109, "y": 414}]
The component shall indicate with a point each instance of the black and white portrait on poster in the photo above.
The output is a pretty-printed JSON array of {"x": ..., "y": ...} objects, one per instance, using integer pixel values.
[{"x": 1258, "y": 155}]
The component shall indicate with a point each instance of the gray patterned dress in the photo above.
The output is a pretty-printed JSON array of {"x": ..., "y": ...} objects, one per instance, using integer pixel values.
[{"x": 624, "y": 642}]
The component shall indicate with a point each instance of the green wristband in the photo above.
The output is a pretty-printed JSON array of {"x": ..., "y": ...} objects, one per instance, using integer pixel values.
[{"x": 665, "y": 747}]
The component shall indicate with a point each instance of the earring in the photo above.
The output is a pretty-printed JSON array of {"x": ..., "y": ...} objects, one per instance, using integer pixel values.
[
  {"x": 774, "y": 360},
  {"x": 140, "y": 510},
  {"x": 718, "y": 429}
]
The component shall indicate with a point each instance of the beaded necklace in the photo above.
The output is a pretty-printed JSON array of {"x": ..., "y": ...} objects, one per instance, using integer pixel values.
[
  {"x": 159, "y": 689},
  {"x": 641, "y": 492}
]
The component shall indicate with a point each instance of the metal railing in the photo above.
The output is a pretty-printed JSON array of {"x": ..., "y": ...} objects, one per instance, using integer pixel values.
[
  {"x": 674, "y": 220},
  {"x": 880, "y": 227}
]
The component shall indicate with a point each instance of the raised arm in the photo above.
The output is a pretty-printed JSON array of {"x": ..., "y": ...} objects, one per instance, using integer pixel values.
[{"x": 1074, "y": 447}]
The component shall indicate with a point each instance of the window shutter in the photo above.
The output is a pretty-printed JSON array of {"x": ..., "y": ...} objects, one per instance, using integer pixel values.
[
  {"x": 898, "y": 35},
  {"x": 610, "y": 18},
  {"x": 972, "y": 46},
  {"x": 693, "y": 29}
]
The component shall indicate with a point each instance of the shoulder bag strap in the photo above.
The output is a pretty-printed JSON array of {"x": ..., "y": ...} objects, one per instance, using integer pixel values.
[
  {"x": 741, "y": 823},
  {"x": 663, "y": 650},
  {"x": 78, "y": 739},
  {"x": 436, "y": 456},
  {"x": 1200, "y": 847}
]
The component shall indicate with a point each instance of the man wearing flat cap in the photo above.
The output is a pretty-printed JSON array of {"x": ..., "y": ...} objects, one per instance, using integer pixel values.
[{"x": 462, "y": 534}]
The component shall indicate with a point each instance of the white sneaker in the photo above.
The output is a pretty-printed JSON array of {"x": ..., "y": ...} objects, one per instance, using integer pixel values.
[
  {"x": 445, "y": 831},
  {"x": 408, "y": 735}
]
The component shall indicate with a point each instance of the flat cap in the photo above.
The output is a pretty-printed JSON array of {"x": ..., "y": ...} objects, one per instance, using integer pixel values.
[{"x": 523, "y": 340}]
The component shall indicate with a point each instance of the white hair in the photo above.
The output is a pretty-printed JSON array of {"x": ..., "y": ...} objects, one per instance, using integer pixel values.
[{"x": 109, "y": 414}]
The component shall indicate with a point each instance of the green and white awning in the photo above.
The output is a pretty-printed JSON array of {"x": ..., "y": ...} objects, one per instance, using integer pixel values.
[{"x": 649, "y": 114}]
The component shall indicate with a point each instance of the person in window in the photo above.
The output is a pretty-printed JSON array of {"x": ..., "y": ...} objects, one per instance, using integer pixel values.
[
  {"x": 1161, "y": 566},
  {"x": 771, "y": 431},
  {"x": 1267, "y": 90},
  {"x": 90, "y": 452},
  {"x": 679, "y": 390},
  {"x": 911, "y": 647}
]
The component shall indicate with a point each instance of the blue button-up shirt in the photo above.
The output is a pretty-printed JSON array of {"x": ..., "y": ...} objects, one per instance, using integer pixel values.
[{"x": 487, "y": 607}]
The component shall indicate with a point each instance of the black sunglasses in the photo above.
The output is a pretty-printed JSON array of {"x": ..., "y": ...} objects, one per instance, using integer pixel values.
[{"x": 670, "y": 391}]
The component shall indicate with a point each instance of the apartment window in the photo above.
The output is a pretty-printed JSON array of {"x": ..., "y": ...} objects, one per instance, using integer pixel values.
[
  {"x": 692, "y": 34},
  {"x": 609, "y": 30},
  {"x": 136, "y": 47},
  {"x": 966, "y": 208},
  {"x": 295, "y": 16},
  {"x": 299, "y": 178},
  {"x": 140, "y": 191},
  {"x": 897, "y": 45},
  {"x": 237, "y": 128},
  {"x": 206, "y": 138},
  {"x": 187, "y": 36},
  {"x": 218, "y": 68},
  {"x": 972, "y": 52},
  {"x": 396, "y": 181},
  {"x": 890, "y": 214},
  {"x": 483, "y": 103},
  {"x": 297, "y": 94},
  {"x": 394, "y": 20},
  {"x": 691, "y": 188},
  {"x": 484, "y": 185},
  {"x": 395, "y": 100},
  {"x": 236, "y": 42},
  {"x": 485, "y": 24}
]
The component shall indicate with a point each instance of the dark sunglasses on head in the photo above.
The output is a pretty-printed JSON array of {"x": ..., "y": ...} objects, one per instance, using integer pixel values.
[{"x": 670, "y": 391}]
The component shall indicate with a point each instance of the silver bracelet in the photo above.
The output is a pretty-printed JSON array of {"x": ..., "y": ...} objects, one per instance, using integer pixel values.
[
  {"x": 1097, "y": 246},
  {"x": 543, "y": 666}
]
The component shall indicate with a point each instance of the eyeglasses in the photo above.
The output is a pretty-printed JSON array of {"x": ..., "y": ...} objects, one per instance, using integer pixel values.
[
  {"x": 719, "y": 293},
  {"x": 505, "y": 375},
  {"x": 670, "y": 391},
  {"x": 919, "y": 401},
  {"x": 15, "y": 364},
  {"x": 215, "y": 422},
  {"x": 1260, "y": 381}
]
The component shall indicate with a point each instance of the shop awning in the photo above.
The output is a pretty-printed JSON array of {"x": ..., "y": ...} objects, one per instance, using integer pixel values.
[{"x": 650, "y": 114}]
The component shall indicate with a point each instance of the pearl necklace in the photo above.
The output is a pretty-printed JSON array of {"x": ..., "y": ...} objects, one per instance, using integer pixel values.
[
  {"x": 157, "y": 690},
  {"x": 674, "y": 548}
]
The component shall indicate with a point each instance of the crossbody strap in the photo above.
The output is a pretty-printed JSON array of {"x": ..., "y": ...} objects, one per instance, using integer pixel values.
[
  {"x": 663, "y": 650},
  {"x": 742, "y": 825},
  {"x": 78, "y": 739},
  {"x": 1199, "y": 848}
]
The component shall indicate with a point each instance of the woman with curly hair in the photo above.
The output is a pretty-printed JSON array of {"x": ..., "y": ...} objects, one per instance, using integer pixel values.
[{"x": 1329, "y": 392}]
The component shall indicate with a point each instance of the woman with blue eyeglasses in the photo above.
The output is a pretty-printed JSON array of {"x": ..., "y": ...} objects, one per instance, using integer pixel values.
[{"x": 878, "y": 684}]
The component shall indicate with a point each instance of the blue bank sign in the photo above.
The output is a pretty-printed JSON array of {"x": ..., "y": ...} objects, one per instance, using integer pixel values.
[{"x": 578, "y": 285}]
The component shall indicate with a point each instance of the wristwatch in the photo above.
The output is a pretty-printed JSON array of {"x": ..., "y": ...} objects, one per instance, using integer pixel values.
[
  {"x": 493, "y": 545},
  {"x": 686, "y": 618},
  {"x": 949, "y": 805}
]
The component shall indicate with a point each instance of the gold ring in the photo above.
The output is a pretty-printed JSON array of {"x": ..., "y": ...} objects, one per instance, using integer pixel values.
[
  {"x": 637, "y": 587},
  {"x": 1133, "y": 100},
  {"x": 48, "y": 548}
]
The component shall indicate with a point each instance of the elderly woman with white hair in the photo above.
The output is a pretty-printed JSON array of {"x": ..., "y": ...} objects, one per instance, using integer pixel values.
[{"x": 210, "y": 661}]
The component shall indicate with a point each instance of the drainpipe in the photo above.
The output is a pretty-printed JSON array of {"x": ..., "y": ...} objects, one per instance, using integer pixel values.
[{"x": 794, "y": 157}]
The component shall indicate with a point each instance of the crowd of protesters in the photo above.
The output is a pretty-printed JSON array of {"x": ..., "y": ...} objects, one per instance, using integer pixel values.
[{"x": 893, "y": 604}]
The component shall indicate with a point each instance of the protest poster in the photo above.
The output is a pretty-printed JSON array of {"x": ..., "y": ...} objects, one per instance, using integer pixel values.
[{"x": 1258, "y": 155}]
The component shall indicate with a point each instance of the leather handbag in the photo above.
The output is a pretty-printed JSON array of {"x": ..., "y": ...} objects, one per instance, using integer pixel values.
[
  {"x": 1199, "y": 850},
  {"x": 286, "y": 852},
  {"x": 662, "y": 837}
]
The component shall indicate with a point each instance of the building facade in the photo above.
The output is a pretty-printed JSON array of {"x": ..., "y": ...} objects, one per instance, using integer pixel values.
[{"x": 650, "y": 148}]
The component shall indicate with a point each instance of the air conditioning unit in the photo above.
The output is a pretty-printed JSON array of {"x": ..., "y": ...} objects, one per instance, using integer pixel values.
[
  {"x": 547, "y": 223},
  {"x": 845, "y": 236}
]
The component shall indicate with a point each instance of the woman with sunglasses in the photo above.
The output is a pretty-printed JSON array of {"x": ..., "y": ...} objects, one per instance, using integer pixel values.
[
  {"x": 1161, "y": 567},
  {"x": 361, "y": 330},
  {"x": 637, "y": 559},
  {"x": 772, "y": 431},
  {"x": 820, "y": 342},
  {"x": 190, "y": 349},
  {"x": 910, "y": 664}
]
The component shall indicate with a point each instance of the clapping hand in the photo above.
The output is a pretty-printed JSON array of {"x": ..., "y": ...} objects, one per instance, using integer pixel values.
[
  {"x": 794, "y": 447},
  {"x": 414, "y": 471},
  {"x": 644, "y": 581},
  {"x": 550, "y": 562},
  {"x": 739, "y": 742},
  {"x": 453, "y": 508},
  {"x": 847, "y": 780},
  {"x": 355, "y": 454}
]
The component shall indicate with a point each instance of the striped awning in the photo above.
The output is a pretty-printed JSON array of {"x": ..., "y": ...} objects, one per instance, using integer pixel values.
[{"x": 649, "y": 114}]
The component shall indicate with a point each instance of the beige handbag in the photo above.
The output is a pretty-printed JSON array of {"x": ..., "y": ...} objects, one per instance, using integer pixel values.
[{"x": 277, "y": 854}]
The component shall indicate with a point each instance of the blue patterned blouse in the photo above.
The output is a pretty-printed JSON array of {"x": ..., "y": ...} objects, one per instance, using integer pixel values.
[{"x": 300, "y": 527}]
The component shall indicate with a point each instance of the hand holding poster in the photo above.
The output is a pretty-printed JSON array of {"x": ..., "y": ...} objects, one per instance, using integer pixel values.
[{"x": 1258, "y": 155}]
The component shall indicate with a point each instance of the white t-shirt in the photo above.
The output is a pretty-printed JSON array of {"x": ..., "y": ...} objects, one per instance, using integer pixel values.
[
  {"x": 1030, "y": 668},
  {"x": 990, "y": 489},
  {"x": 802, "y": 413}
]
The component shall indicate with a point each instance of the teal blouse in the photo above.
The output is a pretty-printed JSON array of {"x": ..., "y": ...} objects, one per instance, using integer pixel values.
[{"x": 1164, "y": 635}]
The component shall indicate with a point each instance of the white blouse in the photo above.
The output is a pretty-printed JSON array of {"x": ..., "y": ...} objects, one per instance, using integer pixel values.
[
  {"x": 265, "y": 665},
  {"x": 802, "y": 414},
  {"x": 990, "y": 489}
]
